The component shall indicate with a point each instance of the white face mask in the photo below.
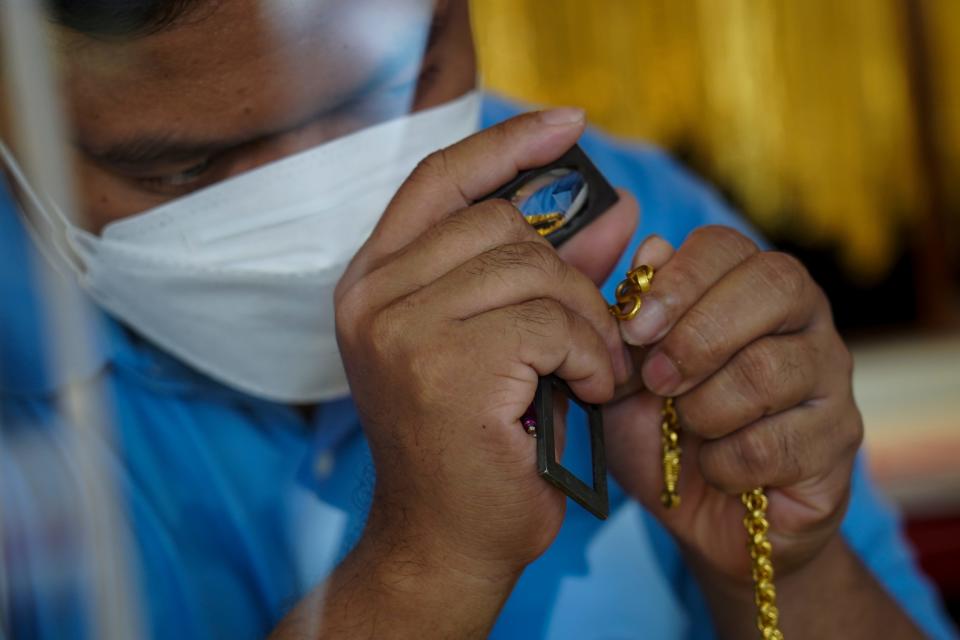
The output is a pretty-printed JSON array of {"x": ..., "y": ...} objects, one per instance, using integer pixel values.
[{"x": 237, "y": 280}]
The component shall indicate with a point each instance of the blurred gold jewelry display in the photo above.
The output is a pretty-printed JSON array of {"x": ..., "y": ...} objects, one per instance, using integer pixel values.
[{"x": 817, "y": 115}]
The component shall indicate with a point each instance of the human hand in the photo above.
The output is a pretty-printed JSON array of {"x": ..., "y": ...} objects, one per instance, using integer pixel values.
[
  {"x": 446, "y": 318},
  {"x": 744, "y": 340}
]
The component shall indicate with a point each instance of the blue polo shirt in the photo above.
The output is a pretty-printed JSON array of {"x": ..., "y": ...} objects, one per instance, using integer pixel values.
[{"x": 181, "y": 508}]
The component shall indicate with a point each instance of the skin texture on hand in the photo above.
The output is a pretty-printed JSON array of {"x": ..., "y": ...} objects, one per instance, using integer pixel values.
[
  {"x": 744, "y": 340},
  {"x": 477, "y": 286},
  {"x": 446, "y": 319}
]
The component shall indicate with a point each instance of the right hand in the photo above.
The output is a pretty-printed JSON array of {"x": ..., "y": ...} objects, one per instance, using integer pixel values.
[{"x": 446, "y": 318}]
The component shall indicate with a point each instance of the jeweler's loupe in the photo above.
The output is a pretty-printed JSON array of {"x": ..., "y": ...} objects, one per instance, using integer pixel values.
[{"x": 561, "y": 198}]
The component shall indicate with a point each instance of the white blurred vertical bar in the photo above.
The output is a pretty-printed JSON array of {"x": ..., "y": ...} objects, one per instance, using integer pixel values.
[
  {"x": 4, "y": 590},
  {"x": 41, "y": 143}
]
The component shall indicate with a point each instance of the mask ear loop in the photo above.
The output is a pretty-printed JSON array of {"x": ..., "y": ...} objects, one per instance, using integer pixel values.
[
  {"x": 86, "y": 432},
  {"x": 39, "y": 133},
  {"x": 5, "y": 617},
  {"x": 54, "y": 238}
]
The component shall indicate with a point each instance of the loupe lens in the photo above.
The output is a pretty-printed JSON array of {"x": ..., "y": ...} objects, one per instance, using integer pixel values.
[{"x": 549, "y": 201}]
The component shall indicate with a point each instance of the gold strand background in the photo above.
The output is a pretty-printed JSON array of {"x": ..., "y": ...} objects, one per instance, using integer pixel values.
[{"x": 803, "y": 109}]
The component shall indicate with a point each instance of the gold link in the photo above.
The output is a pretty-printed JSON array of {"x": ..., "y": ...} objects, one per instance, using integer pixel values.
[
  {"x": 628, "y": 292},
  {"x": 765, "y": 594},
  {"x": 641, "y": 277},
  {"x": 546, "y": 223},
  {"x": 760, "y": 548},
  {"x": 670, "y": 442},
  {"x": 626, "y": 307}
]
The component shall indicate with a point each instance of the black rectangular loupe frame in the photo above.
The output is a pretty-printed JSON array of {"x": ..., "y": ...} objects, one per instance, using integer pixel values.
[
  {"x": 594, "y": 499},
  {"x": 600, "y": 197}
]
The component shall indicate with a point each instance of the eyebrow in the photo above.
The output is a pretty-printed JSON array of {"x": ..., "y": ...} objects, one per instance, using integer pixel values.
[
  {"x": 157, "y": 149},
  {"x": 165, "y": 148}
]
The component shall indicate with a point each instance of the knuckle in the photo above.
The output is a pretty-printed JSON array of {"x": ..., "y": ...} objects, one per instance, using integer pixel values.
[
  {"x": 698, "y": 338},
  {"x": 438, "y": 168},
  {"x": 532, "y": 255},
  {"x": 845, "y": 361},
  {"x": 847, "y": 429},
  {"x": 504, "y": 212},
  {"x": 683, "y": 274},
  {"x": 382, "y": 335},
  {"x": 342, "y": 288},
  {"x": 465, "y": 223},
  {"x": 759, "y": 371},
  {"x": 350, "y": 311},
  {"x": 505, "y": 216},
  {"x": 676, "y": 287},
  {"x": 543, "y": 255},
  {"x": 432, "y": 167},
  {"x": 540, "y": 314},
  {"x": 726, "y": 238},
  {"x": 856, "y": 431},
  {"x": 708, "y": 234},
  {"x": 758, "y": 456},
  {"x": 783, "y": 273},
  {"x": 697, "y": 414},
  {"x": 502, "y": 134}
]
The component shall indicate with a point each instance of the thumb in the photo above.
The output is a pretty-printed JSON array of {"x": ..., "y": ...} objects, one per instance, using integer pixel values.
[{"x": 596, "y": 249}]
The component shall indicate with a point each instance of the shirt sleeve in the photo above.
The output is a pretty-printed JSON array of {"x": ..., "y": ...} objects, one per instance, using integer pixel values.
[{"x": 872, "y": 529}]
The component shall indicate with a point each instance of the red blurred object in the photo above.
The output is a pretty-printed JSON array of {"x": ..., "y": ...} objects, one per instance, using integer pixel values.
[{"x": 937, "y": 543}]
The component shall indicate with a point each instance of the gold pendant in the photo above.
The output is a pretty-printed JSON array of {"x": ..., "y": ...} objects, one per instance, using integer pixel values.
[{"x": 670, "y": 443}]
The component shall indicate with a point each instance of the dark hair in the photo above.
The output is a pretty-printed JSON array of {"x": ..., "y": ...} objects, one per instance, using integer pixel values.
[{"x": 118, "y": 17}]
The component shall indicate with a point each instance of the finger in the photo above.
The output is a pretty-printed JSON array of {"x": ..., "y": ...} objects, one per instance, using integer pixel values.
[
  {"x": 768, "y": 293},
  {"x": 596, "y": 249},
  {"x": 515, "y": 273},
  {"x": 453, "y": 178},
  {"x": 770, "y": 375},
  {"x": 706, "y": 256},
  {"x": 543, "y": 337},
  {"x": 653, "y": 252},
  {"x": 480, "y": 228},
  {"x": 450, "y": 243},
  {"x": 800, "y": 444},
  {"x": 823, "y": 500}
]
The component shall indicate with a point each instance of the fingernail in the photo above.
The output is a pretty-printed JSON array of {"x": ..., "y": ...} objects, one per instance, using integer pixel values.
[
  {"x": 660, "y": 374},
  {"x": 562, "y": 116},
  {"x": 649, "y": 323},
  {"x": 648, "y": 250}
]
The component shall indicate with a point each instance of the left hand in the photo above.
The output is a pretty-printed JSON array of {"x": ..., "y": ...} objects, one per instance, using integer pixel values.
[{"x": 744, "y": 340}]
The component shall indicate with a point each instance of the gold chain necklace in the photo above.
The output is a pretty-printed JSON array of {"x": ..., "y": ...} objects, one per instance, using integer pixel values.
[{"x": 628, "y": 295}]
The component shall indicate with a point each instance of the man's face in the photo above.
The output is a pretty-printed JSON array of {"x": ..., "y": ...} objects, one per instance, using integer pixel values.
[{"x": 230, "y": 87}]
